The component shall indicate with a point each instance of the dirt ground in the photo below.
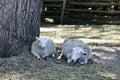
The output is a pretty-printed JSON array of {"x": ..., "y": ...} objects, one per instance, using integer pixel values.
[{"x": 103, "y": 40}]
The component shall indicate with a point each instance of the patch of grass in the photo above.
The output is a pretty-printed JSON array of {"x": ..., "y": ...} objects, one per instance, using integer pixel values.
[
  {"x": 62, "y": 72},
  {"x": 92, "y": 32}
]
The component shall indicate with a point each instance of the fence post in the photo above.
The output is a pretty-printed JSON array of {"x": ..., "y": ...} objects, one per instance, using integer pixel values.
[{"x": 63, "y": 11}]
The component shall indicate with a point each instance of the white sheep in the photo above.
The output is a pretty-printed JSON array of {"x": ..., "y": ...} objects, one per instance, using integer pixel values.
[
  {"x": 43, "y": 47},
  {"x": 75, "y": 50}
]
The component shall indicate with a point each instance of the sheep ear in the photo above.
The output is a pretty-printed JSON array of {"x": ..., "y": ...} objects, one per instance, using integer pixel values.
[{"x": 37, "y": 38}]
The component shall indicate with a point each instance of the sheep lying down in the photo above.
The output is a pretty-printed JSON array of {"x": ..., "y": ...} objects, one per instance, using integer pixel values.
[
  {"x": 43, "y": 47},
  {"x": 76, "y": 50}
]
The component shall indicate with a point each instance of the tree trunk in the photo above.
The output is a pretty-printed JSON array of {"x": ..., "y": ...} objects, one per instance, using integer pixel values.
[{"x": 19, "y": 24}]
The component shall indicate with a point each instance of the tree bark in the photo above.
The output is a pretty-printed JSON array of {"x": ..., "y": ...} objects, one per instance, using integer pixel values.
[{"x": 19, "y": 24}]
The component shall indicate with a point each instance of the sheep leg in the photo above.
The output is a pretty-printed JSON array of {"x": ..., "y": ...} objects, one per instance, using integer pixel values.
[
  {"x": 53, "y": 55},
  {"x": 36, "y": 54},
  {"x": 68, "y": 60},
  {"x": 60, "y": 56}
]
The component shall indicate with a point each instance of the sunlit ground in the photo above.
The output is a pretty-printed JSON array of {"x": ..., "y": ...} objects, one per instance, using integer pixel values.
[{"x": 88, "y": 33}]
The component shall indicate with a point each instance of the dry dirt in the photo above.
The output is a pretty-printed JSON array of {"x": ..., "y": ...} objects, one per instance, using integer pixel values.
[{"x": 105, "y": 65}]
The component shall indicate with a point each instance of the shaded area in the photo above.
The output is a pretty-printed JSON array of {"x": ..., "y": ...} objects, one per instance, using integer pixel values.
[
  {"x": 26, "y": 67},
  {"x": 81, "y": 11}
]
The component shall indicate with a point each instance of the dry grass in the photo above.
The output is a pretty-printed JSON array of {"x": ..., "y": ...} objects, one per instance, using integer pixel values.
[
  {"x": 103, "y": 39},
  {"x": 93, "y": 33}
]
